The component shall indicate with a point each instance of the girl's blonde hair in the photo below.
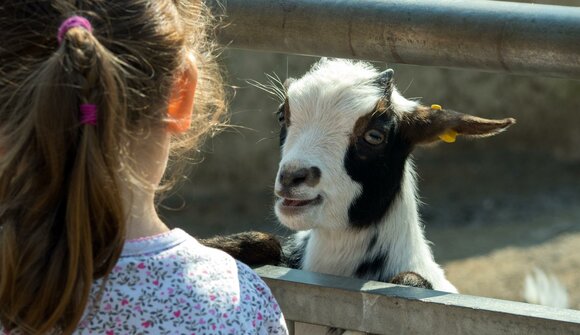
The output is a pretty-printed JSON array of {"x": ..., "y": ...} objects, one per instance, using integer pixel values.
[{"x": 62, "y": 224}]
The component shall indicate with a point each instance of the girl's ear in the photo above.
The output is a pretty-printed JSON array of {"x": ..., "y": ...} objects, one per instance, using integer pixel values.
[{"x": 180, "y": 105}]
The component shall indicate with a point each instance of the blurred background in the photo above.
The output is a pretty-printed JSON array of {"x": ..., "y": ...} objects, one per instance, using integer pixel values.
[{"x": 494, "y": 208}]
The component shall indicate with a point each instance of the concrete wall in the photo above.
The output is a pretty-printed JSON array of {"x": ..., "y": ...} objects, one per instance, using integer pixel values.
[{"x": 381, "y": 308}]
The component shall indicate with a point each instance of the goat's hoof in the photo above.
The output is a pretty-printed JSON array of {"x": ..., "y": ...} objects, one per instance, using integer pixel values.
[
  {"x": 252, "y": 248},
  {"x": 411, "y": 279}
]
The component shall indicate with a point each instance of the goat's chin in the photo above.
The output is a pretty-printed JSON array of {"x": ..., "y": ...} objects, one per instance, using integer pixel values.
[
  {"x": 303, "y": 220},
  {"x": 296, "y": 225}
]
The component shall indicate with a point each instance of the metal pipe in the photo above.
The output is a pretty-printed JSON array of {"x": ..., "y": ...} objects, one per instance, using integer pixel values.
[{"x": 485, "y": 35}]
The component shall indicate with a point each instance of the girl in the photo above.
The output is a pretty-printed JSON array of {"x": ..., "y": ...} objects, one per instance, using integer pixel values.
[{"x": 94, "y": 95}]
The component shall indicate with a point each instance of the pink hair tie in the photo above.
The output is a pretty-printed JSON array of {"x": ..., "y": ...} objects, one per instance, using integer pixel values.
[
  {"x": 88, "y": 111},
  {"x": 73, "y": 22},
  {"x": 88, "y": 114}
]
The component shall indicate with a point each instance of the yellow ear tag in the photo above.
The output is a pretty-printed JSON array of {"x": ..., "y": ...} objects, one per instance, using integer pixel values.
[
  {"x": 448, "y": 136},
  {"x": 436, "y": 107}
]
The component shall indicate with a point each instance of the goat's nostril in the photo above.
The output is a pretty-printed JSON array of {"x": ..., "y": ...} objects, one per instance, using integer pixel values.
[
  {"x": 299, "y": 179},
  {"x": 291, "y": 178},
  {"x": 310, "y": 177}
]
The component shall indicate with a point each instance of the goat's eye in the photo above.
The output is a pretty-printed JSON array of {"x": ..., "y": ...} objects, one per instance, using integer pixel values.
[{"x": 374, "y": 137}]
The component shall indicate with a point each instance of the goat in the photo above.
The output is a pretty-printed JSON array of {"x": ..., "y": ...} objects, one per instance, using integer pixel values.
[{"x": 346, "y": 180}]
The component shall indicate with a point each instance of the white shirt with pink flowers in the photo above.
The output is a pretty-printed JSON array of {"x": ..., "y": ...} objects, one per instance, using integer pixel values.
[{"x": 171, "y": 284}]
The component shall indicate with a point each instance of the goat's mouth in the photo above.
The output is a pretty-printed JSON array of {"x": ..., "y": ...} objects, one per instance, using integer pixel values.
[{"x": 292, "y": 206}]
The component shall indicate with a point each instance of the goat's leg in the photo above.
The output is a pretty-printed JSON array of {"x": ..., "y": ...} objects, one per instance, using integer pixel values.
[
  {"x": 411, "y": 279},
  {"x": 252, "y": 248}
]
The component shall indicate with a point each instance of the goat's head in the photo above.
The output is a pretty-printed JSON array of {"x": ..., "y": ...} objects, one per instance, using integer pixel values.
[{"x": 346, "y": 134}]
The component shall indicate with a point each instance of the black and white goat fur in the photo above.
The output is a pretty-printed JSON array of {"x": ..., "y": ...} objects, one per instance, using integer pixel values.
[{"x": 346, "y": 180}]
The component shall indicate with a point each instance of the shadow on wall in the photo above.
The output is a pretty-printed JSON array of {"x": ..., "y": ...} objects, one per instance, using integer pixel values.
[{"x": 530, "y": 174}]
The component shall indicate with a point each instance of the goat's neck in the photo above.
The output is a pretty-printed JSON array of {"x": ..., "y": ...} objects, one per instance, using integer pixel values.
[{"x": 398, "y": 236}]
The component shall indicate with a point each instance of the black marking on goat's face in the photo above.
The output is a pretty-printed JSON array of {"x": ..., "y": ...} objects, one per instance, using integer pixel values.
[
  {"x": 377, "y": 167},
  {"x": 283, "y": 115}
]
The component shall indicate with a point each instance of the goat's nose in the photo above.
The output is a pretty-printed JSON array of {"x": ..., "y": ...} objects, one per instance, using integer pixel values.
[{"x": 296, "y": 177}]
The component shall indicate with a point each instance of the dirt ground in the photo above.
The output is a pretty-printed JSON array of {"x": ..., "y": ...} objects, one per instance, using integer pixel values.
[
  {"x": 522, "y": 214},
  {"x": 500, "y": 273}
]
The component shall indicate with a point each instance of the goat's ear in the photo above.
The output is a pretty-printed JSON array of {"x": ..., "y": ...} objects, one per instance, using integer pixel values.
[
  {"x": 385, "y": 80},
  {"x": 427, "y": 125},
  {"x": 288, "y": 82}
]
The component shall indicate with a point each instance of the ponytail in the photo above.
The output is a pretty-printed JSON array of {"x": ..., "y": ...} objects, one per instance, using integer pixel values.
[{"x": 63, "y": 224}]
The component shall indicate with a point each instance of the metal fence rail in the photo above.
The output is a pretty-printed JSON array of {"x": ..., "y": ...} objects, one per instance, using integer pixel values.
[
  {"x": 484, "y": 35},
  {"x": 382, "y": 308}
]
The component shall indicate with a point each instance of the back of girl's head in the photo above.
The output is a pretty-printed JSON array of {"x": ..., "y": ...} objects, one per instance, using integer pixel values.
[{"x": 62, "y": 224}]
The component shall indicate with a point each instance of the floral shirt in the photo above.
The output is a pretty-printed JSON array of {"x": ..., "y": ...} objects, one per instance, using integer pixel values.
[{"x": 171, "y": 284}]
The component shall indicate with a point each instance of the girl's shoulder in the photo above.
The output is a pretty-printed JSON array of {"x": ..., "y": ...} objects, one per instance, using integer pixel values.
[{"x": 174, "y": 252}]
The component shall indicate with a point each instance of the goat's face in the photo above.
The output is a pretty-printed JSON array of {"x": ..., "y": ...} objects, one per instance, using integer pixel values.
[
  {"x": 346, "y": 134},
  {"x": 330, "y": 141}
]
